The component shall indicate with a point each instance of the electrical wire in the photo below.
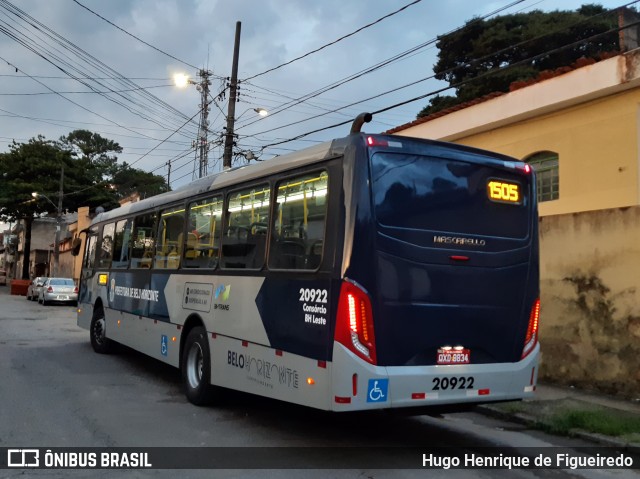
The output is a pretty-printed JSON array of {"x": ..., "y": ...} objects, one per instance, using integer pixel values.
[
  {"x": 39, "y": 28},
  {"x": 379, "y": 65},
  {"x": 333, "y": 42},
  {"x": 458, "y": 84},
  {"x": 133, "y": 36}
]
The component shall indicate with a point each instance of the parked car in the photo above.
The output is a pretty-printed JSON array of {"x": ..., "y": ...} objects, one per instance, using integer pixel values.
[
  {"x": 33, "y": 291},
  {"x": 3, "y": 277},
  {"x": 58, "y": 290}
]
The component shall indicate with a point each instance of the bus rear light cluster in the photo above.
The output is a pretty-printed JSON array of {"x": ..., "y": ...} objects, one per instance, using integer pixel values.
[
  {"x": 531, "y": 339},
  {"x": 354, "y": 328}
]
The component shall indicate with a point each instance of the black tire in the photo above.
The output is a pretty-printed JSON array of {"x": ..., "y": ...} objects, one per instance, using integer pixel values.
[
  {"x": 97, "y": 332},
  {"x": 196, "y": 368}
]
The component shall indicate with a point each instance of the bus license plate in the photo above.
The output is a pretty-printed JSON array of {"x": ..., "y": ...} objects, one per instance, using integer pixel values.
[{"x": 453, "y": 356}]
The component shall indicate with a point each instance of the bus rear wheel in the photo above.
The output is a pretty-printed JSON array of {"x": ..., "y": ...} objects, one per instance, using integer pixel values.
[
  {"x": 98, "y": 332},
  {"x": 196, "y": 368}
]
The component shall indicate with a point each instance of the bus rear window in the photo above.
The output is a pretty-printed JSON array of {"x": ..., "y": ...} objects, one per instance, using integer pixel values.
[{"x": 445, "y": 195}]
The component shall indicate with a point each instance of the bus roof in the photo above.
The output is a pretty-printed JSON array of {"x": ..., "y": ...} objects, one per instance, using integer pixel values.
[
  {"x": 313, "y": 154},
  {"x": 232, "y": 176}
]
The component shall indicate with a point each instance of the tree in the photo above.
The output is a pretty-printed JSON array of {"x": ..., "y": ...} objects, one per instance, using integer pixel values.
[
  {"x": 96, "y": 158},
  {"x": 92, "y": 177},
  {"x": 129, "y": 180},
  {"x": 486, "y": 56},
  {"x": 95, "y": 151},
  {"x": 29, "y": 167}
]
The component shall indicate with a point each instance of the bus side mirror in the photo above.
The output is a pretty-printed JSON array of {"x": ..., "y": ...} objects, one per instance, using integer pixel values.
[{"x": 75, "y": 247}]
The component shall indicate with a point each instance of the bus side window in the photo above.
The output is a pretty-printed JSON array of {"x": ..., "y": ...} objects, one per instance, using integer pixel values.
[
  {"x": 105, "y": 251},
  {"x": 90, "y": 251},
  {"x": 244, "y": 237},
  {"x": 299, "y": 222},
  {"x": 204, "y": 229},
  {"x": 122, "y": 243},
  {"x": 169, "y": 239},
  {"x": 143, "y": 241}
]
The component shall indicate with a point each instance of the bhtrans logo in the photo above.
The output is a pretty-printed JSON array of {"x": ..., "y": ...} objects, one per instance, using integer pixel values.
[
  {"x": 458, "y": 241},
  {"x": 222, "y": 294}
]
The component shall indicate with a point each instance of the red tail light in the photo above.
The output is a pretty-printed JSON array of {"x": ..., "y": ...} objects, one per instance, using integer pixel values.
[
  {"x": 531, "y": 339},
  {"x": 49, "y": 289},
  {"x": 354, "y": 326},
  {"x": 75, "y": 290}
]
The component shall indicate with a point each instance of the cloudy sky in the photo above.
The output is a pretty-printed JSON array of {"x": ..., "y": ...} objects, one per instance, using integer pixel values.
[{"x": 123, "y": 87}]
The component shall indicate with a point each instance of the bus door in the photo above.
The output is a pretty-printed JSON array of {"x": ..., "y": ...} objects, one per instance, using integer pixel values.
[{"x": 86, "y": 289}]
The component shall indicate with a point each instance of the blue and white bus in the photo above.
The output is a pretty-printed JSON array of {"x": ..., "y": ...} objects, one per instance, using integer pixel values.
[{"x": 372, "y": 271}]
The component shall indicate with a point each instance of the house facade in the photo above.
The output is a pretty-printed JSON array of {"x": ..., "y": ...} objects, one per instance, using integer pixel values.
[{"x": 580, "y": 130}]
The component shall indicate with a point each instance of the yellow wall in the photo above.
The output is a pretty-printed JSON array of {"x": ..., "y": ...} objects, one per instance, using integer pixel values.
[
  {"x": 590, "y": 299},
  {"x": 597, "y": 143}
]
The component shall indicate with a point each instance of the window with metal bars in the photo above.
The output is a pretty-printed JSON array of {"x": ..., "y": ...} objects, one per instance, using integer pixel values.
[{"x": 545, "y": 164}]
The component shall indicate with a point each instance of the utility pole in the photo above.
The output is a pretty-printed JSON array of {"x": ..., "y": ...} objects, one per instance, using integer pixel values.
[
  {"x": 231, "y": 113},
  {"x": 203, "y": 87},
  {"x": 168, "y": 175},
  {"x": 56, "y": 246}
]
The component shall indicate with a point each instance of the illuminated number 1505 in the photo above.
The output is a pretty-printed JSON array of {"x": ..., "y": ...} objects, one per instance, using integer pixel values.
[{"x": 504, "y": 191}]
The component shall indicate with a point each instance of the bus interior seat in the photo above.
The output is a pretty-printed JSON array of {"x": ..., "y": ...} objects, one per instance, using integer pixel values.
[
  {"x": 315, "y": 255},
  {"x": 290, "y": 254}
]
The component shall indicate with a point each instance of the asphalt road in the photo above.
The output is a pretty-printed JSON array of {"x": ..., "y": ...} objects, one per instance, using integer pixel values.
[{"x": 56, "y": 392}]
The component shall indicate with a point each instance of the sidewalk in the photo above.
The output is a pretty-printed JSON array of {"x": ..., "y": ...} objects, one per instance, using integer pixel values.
[{"x": 567, "y": 411}]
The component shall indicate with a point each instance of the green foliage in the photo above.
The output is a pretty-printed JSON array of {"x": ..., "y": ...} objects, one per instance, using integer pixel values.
[
  {"x": 605, "y": 422},
  {"x": 27, "y": 168},
  {"x": 486, "y": 56},
  {"x": 438, "y": 103},
  {"x": 92, "y": 176},
  {"x": 129, "y": 180}
]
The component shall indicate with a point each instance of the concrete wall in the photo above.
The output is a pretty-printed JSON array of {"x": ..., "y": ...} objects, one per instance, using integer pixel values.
[{"x": 590, "y": 295}]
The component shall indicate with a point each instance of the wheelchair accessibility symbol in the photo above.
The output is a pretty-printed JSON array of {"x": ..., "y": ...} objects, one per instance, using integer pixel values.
[
  {"x": 164, "y": 345},
  {"x": 377, "y": 390}
]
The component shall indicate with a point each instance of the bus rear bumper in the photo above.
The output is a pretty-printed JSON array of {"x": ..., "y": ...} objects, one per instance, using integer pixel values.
[{"x": 378, "y": 387}]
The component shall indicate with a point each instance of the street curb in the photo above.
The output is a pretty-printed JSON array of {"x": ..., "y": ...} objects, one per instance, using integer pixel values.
[{"x": 528, "y": 420}]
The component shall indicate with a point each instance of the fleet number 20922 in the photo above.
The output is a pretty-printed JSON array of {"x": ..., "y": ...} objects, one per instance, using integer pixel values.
[{"x": 313, "y": 295}]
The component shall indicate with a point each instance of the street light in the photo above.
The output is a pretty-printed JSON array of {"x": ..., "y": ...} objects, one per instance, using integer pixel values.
[
  {"x": 260, "y": 111},
  {"x": 181, "y": 80}
]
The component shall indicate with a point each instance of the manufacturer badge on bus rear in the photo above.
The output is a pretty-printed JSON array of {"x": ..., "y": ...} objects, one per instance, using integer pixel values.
[{"x": 455, "y": 355}]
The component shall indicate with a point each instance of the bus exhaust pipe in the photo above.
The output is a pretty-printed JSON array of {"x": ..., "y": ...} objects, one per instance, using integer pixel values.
[{"x": 360, "y": 120}]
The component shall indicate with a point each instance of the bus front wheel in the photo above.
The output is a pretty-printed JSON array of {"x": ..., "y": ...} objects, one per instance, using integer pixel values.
[
  {"x": 196, "y": 368},
  {"x": 98, "y": 332}
]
